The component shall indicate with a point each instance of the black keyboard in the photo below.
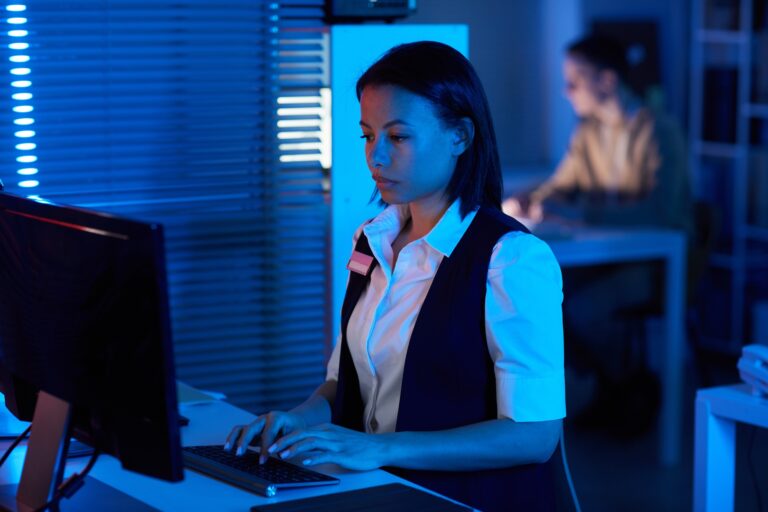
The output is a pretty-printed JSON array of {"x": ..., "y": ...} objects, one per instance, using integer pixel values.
[{"x": 244, "y": 471}]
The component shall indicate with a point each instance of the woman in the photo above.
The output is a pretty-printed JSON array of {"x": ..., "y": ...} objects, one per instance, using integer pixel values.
[
  {"x": 625, "y": 167},
  {"x": 449, "y": 367},
  {"x": 626, "y": 164}
]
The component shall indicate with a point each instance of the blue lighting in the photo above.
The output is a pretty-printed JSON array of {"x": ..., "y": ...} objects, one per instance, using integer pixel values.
[{"x": 26, "y": 157}]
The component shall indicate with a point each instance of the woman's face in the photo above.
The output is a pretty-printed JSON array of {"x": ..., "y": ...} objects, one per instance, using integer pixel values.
[
  {"x": 585, "y": 86},
  {"x": 410, "y": 153}
]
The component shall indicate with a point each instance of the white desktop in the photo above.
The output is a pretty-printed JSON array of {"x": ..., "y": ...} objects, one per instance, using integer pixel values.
[{"x": 210, "y": 422}]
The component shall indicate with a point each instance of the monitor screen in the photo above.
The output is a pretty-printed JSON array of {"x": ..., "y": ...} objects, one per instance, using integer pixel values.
[{"x": 84, "y": 317}]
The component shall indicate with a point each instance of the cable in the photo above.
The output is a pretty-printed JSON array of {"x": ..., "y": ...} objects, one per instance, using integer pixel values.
[
  {"x": 752, "y": 469},
  {"x": 14, "y": 444},
  {"x": 71, "y": 485},
  {"x": 574, "y": 497}
]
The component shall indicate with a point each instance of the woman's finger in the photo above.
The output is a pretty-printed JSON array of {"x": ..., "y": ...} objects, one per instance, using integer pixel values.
[
  {"x": 247, "y": 434},
  {"x": 309, "y": 444},
  {"x": 317, "y": 458},
  {"x": 274, "y": 426},
  {"x": 234, "y": 434},
  {"x": 298, "y": 435}
]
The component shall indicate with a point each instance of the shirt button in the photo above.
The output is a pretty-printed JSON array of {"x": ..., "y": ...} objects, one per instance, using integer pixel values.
[{"x": 374, "y": 424}]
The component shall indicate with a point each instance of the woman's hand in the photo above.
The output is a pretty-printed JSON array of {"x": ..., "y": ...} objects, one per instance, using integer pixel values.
[
  {"x": 523, "y": 208},
  {"x": 269, "y": 426},
  {"x": 330, "y": 443}
]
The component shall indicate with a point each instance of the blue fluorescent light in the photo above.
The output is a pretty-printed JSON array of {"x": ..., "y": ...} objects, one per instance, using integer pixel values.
[{"x": 16, "y": 23}]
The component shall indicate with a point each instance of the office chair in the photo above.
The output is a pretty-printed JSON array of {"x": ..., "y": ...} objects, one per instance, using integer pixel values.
[{"x": 641, "y": 392}]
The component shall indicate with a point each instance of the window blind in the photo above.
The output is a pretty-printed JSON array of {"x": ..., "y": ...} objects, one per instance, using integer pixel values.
[{"x": 173, "y": 112}]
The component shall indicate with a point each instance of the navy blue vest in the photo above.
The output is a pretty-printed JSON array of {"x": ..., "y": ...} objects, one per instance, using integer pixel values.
[{"x": 448, "y": 379}]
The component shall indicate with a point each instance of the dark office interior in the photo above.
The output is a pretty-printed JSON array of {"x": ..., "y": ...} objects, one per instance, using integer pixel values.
[{"x": 229, "y": 125}]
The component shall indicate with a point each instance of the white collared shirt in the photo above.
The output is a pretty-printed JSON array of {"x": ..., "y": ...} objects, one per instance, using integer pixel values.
[{"x": 523, "y": 318}]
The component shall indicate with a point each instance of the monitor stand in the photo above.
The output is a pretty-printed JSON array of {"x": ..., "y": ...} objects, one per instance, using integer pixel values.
[{"x": 44, "y": 468}]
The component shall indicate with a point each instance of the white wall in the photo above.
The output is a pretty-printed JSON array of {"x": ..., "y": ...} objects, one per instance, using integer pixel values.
[{"x": 506, "y": 50}]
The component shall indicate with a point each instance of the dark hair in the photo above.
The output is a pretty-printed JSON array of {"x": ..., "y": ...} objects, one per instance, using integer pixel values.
[
  {"x": 605, "y": 53},
  {"x": 443, "y": 76}
]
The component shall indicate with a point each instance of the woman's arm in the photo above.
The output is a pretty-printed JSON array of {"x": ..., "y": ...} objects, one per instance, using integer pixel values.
[
  {"x": 486, "y": 445},
  {"x": 317, "y": 408},
  {"x": 490, "y": 444}
]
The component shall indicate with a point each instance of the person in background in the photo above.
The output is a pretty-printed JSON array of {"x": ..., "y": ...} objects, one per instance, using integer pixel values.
[
  {"x": 449, "y": 367},
  {"x": 626, "y": 166}
]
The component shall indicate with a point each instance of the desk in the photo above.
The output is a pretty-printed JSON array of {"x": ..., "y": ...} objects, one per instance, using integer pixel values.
[
  {"x": 209, "y": 424},
  {"x": 592, "y": 246},
  {"x": 717, "y": 411}
]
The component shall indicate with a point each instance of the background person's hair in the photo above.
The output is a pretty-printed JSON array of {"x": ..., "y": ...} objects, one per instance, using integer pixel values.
[
  {"x": 443, "y": 76},
  {"x": 605, "y": 53}
]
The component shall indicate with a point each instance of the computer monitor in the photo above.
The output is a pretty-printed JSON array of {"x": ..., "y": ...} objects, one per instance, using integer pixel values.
[{"x": 85, "y": 332}]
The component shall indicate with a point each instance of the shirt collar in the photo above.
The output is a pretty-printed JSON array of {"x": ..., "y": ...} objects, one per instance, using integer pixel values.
[
  {"x": 448, "y": 231},
  {"x": 443, "y": 238}
]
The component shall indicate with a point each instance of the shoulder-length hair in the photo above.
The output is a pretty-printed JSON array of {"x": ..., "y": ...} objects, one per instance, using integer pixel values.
[{"x": 442, "y": 75}]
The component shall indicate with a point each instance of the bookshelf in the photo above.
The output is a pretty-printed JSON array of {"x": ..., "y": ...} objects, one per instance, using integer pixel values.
[{"x": 729, "y": 159}]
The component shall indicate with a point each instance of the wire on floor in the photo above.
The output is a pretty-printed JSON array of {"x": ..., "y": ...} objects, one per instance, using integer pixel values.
[{"x": 571, "y": 488}]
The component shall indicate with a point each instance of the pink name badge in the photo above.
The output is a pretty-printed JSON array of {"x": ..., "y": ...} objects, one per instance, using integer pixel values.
[{"x": 360, "y": 263}]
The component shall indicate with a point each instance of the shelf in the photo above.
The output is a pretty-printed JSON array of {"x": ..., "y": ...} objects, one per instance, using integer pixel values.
[
  {"x": 722, "y": 37},
  {"x": 721, "y": 346},
  {"x": 758, "y": 110},
  {"x": 721, "y": 260},
  {"x": 727, "y": 168},
  {"x": 718, "y": 149},
  {"x": 729, "y": 262},
  {"x": 757, "y": 261},
  {"x": 759, "y": 233}
]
